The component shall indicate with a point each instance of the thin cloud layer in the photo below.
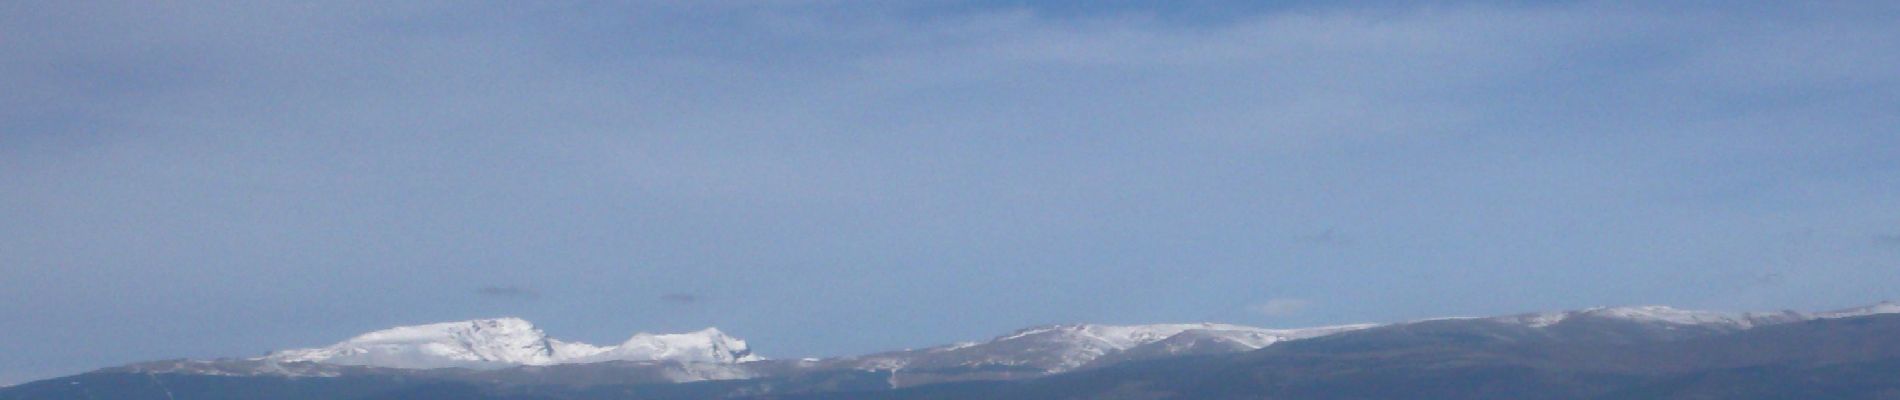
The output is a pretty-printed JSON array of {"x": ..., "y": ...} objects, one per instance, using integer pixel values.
[
  {"x": 680, "y": 298},
  {"x": 508, "y": 292},
  {"x": 1281, "y": 307}
]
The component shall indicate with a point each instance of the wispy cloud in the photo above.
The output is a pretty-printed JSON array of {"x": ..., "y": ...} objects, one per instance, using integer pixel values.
[
  {"x": 681, "y": 298},
  {"x": 1771, "y": 278},
  {"x": 508, "y": 292},
  {"x": 1281, "y": 307}
]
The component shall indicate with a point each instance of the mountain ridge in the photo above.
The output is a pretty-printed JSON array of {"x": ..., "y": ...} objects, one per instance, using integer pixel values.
[
  {"x": 512, "y": 351},
  {"x": 1586, "y": 353},
  {"x": 505, "y": 342},
  {"x": 508, "y": 342}
]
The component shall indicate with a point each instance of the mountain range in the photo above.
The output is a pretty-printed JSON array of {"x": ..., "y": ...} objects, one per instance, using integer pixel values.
[
  {"x": 1636, "y": 352},
  {"x": 507, "y": 342}
]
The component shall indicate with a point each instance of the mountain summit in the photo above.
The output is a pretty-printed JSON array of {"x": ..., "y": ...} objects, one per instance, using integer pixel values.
[
  {"x": 1056, "y": 348},
  {"x": 507, "y": 342}
]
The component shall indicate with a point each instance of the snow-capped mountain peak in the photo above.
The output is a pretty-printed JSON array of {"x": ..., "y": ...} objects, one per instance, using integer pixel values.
[
  {"x": 505, "y": 342},
  {"x": 1114, "y": 336},
  {"x": 708, "y": 345},
  {"x": 1663, "y": 315},
  {"x": 475, "y": 343},
  {"x": 1055, "y": 348},
  {"x": 1884, "y": 307},
  {"x": 1123, "y": 337}
]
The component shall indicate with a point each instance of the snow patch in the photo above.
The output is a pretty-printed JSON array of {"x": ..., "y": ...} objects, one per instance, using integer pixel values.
[
  {"x": 1072, "y": 346},
  {"x": 506, "y": 342},
  {"x": 1885, "y": 307}
]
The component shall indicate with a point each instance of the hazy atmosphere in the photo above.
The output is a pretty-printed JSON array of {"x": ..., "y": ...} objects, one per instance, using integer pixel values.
[{"x": 220, "y": 179}]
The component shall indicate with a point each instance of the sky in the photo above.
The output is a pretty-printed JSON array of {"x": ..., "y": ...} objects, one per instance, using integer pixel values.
[{"x": 221, "y": 179}]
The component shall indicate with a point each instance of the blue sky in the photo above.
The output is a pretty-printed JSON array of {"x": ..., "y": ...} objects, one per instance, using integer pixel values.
[{"x": 838, "y": 177}]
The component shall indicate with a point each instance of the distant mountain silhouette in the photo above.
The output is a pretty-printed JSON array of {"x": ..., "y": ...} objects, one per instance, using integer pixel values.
[{"x": 1603, "y": 353}]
